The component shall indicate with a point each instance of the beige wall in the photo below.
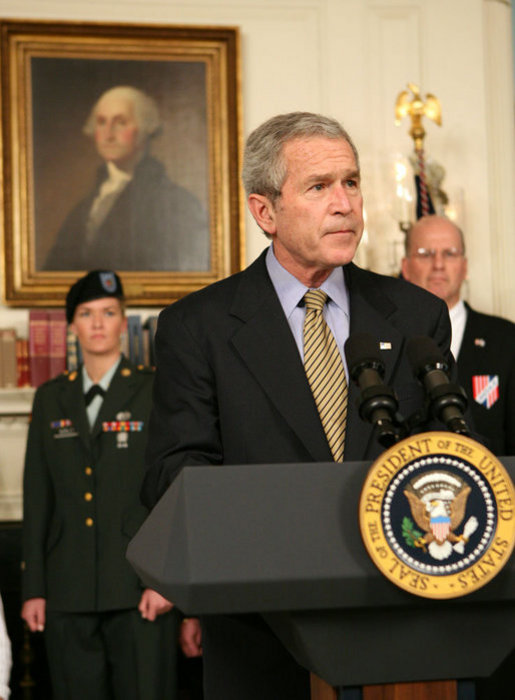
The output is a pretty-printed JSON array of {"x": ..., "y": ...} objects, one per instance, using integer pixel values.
[{"x": 350, "y": 58}]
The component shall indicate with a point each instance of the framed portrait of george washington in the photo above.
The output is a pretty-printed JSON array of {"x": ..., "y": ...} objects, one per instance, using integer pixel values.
[{"x": 121, "y": 148}]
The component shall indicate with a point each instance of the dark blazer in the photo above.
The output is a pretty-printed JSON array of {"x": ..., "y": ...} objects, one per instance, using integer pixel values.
[
  {"x": 488, "y": 348},
  {"x": 81, "y": 494},
  {"x": 154, "y": 224},
  {"x": 231, "y": 389},
  {"x": 230, "y": 384}
]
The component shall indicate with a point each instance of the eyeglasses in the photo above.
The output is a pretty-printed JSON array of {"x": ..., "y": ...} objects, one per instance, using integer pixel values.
[{"x": 448, "y": 254}]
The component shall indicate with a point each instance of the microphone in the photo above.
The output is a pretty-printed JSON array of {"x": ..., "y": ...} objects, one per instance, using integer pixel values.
[
  {"x": 447, "y": 401},
  {"x": 377, "y": 403}
]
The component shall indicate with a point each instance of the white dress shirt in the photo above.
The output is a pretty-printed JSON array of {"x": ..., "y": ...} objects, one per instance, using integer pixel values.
[{"x": 458, "y": 316}]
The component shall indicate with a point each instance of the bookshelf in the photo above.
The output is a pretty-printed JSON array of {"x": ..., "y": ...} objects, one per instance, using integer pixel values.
[{"x": 16, "y": 403}]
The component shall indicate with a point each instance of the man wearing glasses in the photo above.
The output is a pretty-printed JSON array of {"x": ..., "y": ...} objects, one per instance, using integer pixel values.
[{"x": 483, "y": 345}]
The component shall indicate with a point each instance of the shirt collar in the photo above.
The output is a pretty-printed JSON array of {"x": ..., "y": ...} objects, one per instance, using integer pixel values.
[
  {"x": 457, "y": 312},
  {"x": 87, "y": 383},
  {"x": 291, "y": 291}
]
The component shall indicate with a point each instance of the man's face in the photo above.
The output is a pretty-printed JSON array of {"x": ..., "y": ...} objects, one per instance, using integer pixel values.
[
  {"x": 117, "y": 135},
  {"x": 441, "y": 272},
  {"x": 317, "y": 221},
  {"x": 98, "y": 325}
]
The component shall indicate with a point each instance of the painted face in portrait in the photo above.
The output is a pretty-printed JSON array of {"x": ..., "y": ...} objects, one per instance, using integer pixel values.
[{"x": 117, "y": 134}]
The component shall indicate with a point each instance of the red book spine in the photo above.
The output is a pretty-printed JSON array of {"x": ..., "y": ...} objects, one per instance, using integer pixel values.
[
  {"x": 57, "y": 341},
  {"x": 22, "y": 361},
  {"x": 39, "y": 347}
]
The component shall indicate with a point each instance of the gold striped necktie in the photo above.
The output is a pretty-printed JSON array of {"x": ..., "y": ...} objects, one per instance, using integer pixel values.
[{"x": 325, "y": 372}]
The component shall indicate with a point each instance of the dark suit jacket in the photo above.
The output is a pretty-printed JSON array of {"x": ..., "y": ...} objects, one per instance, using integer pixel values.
[
  {"x": 230, "y": 384},
  {"x": 153, "y": 225},
  {"x": 79, "y": 567},
  {"x": 231, "y": 389},
  {"x": 488, "y": 348}
]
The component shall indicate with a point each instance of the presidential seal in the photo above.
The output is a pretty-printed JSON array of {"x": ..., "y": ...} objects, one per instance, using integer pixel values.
[{"x": 437, "y": 515}]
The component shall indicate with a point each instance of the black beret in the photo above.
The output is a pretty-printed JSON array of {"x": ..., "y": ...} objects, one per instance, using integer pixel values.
[{"x": 95, "y": 285}]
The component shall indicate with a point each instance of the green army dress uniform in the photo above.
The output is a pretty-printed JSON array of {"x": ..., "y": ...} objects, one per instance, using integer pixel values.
[{"x": 81, "y": 508}]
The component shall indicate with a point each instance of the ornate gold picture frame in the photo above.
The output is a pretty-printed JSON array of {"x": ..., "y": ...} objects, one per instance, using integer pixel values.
[{"x": 174, "y": 217}]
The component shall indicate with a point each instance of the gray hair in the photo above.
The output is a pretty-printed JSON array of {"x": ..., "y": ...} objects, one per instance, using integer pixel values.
[
  {"x": 264, "y": 168},
  {"x": 431, "y": 217},
  {"x": 146, "y": 112}
]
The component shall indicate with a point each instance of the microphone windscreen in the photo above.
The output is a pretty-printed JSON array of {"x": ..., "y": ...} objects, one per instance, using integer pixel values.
[
  {"x": 361, "y": 348},
  {"x": 423, "y": 352}
]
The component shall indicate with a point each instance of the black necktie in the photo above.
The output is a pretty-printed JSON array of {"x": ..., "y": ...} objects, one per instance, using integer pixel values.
[{"x": 95, "y": 390}]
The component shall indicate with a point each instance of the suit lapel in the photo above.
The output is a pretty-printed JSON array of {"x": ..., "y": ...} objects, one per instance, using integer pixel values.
[
  {"x": 370, "y": 312},
  {"x": 266, "y": 345},
  {"x": 467, "y": 349},
  {"x": 277, "y": 365}
]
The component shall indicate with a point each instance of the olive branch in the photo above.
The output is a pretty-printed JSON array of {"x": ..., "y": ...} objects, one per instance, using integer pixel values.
[{"x": 409, "y": 533}]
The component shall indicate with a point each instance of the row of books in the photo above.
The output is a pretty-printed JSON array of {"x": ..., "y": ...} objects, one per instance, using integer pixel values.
[
  {"x": 138, "y": 342},
  {"x": 51, "y": 348}
]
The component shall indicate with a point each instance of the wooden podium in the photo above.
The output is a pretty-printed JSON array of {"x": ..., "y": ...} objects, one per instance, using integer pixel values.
[
  {"x": 433, "y": 690},
  {"x": 283, "y": 541}
]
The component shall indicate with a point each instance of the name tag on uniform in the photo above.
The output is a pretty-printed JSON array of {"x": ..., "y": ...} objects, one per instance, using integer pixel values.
[{"x": 63, "y": 428}]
